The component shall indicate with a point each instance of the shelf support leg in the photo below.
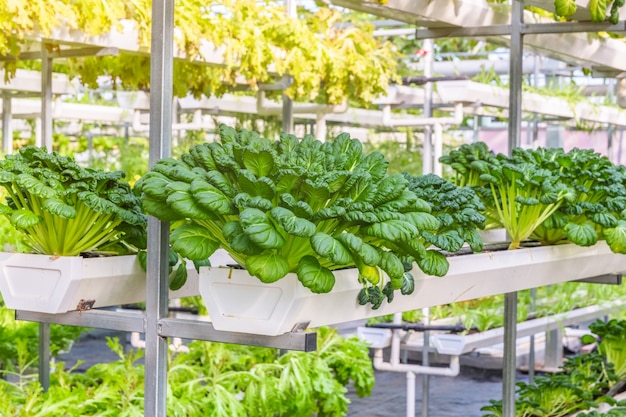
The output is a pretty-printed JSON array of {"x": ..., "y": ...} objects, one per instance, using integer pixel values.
[
  {"x": 46, "y": 97},
  {"x": 515, "y": 127},
  {"x": 161, "y": 79},
  {"x": 44, "y": 355},
  {"x": 7, "y": 134},
  {"x": 553, "y": 356}
]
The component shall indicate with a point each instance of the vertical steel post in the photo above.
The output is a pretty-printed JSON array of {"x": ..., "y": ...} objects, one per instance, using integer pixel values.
[
  {"x": 427, "y": 157},
  {"x": 515, "y": 118},
  {"x": 161, "y": 69},
  {"x": 44, "y": 355},
  {"x": 46, "y": 97},
  {"x": 7, "y": 133},
  {"x": 287, "y": 126},
  {"x": 427, "y": 168}
]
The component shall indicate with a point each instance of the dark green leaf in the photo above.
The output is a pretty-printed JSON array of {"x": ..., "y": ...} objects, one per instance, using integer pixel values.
[
  {"x": 178, "y": 277},
  {"x": 193, "y": 241},
  {"x": 291, "y": 223},
  {"x": 330, "y": 248},
  {"x": 314, "y": 276},
  {"x": 434, "y": 263},
  {"x": 210, "y": 198},
  {"x": 581, "y": 234},
  {"x": 259, "y": 228}
]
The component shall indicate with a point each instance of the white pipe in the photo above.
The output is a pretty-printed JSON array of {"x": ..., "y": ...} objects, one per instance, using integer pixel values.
[
  {"x": 410, "y": 394},
  {"x": 196, "y": 124},
  {"x": 452, "y": 370},
  {"x": 455, "y": 119},
  {"x": 395, "y": 341},
  {"x": 268, "y": 108},
  {"x": 438, "y": 149},
  {"x": 320, "y": 127}
]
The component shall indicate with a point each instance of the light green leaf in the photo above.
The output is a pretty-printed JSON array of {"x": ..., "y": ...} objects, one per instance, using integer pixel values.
[
  {"x": 193, "y": 241},
  {"x": 368, "y": 254},
  {"x": 153, "y": 184},
  {"x": 259, "y": 228},
  {"x": 260, "y": 162},
  {"x": 268, "y": 267},
  {"x": 292, "y": 224},
  {"x": 58, "y": 208},
  {"x": 597, "y": 10},
  {"x": 159, "y": 209},
  {"x": 35, "y": 186},
  {"x": 565, "y": 8},
  {"x": 616, "y": 237},
  {"x": 330, "y": 248},
  {"x": 23, "y": 219},
  {"x": 314, "y": 276}
]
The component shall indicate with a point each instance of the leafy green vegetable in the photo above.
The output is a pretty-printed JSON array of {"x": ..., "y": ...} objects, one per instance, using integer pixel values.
[
  {"x": 64, "y": 209},
  {"x": 297, "y": 205},
  {"x": 457, "y": 209}
]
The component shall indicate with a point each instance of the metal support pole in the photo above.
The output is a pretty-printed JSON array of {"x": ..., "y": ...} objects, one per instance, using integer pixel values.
[
  {"x": 287, "y": 126},
  {"x": 46, "y": 98},
  {"x": 425, "y": 362},
  {"x": 161, "y": 70},
  {"x": 44, "y": 355},
  {"x": 515, "y": 119},
  {"x": 531, "y": 352},
  {"x": 428, "y": 167},
  {"x": 427, "y": 157},
  {"x": 7, "y": 134}
]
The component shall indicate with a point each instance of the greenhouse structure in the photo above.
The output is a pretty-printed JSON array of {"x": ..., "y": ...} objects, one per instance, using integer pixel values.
[{"x": 304, "y": 208}]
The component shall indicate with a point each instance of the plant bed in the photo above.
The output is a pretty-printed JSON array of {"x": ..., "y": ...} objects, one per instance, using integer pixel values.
[
  {"x": 240, "y": 303},
  {"x": 57, "y": 284}
]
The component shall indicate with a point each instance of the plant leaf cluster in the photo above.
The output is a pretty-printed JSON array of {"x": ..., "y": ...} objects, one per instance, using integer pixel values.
[
  {"x": 300, "y": 206},
  {"x": 547, "y": 194},
  {"x": 63, "y": 209},
  {"x": 211, "y": 379},
  {"x": 458, "y": 209},
  {"x": 581, "y": 384},
  {"x": 612, "y": 344}
]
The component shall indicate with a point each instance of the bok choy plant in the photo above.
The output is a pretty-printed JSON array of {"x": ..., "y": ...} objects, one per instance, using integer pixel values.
[
  {"x": 65, "y": 210},
  {"x": 521, "y": 192},
  {"x": 295, "y": 206},
  {"x": 458, "y": 209}
]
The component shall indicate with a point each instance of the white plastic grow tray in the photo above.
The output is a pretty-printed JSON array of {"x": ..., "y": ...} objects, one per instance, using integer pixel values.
[
  {"x": 457, "y": 344},
  {"x": 51, "y": 284},
  {"x": 240, "y": 303}
]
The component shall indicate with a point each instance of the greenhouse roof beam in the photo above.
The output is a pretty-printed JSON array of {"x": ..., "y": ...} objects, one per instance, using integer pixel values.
[
  {"x": 65, "y": 53},
  {"x": 526, "y": 29},
  {"x": 460, "y": 18}
]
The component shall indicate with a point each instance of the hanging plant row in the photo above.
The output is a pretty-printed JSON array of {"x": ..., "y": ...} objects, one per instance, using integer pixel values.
[
  {"x": 303, "y": 207},
  {"x": 547, "y": 195},
  {"x": 256, "y": 40}
]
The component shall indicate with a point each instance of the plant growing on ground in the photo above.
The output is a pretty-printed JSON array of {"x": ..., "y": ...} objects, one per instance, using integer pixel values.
[
  {"x": 612, "y": 343},
  {"x": 580, "y": 385},
  {"x": 63, "y": 209},
  {"x": 212, "y": 379},
  {"x": 300, "y": 206}
]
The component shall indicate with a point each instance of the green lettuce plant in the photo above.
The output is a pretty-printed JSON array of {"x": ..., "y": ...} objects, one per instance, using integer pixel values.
[
  {"x": 63, "y": 209},
  {"x": 295, "y": 206}
]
